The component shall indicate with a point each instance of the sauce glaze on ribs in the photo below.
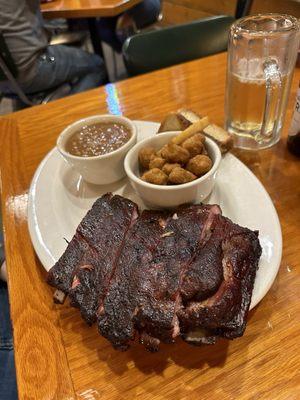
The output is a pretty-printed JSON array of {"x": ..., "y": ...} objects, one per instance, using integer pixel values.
[{"x": 187, "y": 273}]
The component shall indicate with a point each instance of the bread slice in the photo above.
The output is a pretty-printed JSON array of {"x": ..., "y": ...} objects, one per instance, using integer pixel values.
[
  {"x": 170, "y": 123},
  {"x": 190, "y": 122},
  {"x": 188, "y": 117},
  {"x": 223, "y": 139},
  {"x": 179, "y": 121}
]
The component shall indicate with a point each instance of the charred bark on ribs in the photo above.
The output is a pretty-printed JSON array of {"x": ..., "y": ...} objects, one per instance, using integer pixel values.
[
  {"x": 187, "y": 273},
  {"x": 85, "y": 269}
]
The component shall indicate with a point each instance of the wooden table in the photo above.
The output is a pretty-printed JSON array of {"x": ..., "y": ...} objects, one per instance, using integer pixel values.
[
  {"x": 57, "y": 355},
  {"x": 90, "y": 9},
  {"x": 85, "y": 8}
]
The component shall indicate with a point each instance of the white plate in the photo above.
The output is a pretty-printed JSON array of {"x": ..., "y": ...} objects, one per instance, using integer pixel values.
[{"x": 58, "y": 200}]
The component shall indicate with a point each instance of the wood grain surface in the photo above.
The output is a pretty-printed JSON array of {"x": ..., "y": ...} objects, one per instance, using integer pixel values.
[
  {"x": 85, "y": 8},
  {"x": 42, "y": 354},
  {"x": 56, "y": 351}
]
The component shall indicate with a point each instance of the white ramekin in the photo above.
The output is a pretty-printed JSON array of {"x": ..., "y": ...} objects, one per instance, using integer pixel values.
[
  {"x": 102, "y": 169},
  {"x": 161, "y": 196}
]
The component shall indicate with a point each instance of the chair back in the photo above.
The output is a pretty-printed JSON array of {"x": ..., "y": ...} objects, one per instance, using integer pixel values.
[{"x": 153, "y": 50}]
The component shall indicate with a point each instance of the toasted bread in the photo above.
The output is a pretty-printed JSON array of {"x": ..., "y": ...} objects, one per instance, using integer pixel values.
[
  {"x": 170, "y": 123},
  {"x": 223, "y": 139},
  {"x": 179, "y": 120},
  {"x": 188, "y": 117},
  {"x": 189, "y": 122}
]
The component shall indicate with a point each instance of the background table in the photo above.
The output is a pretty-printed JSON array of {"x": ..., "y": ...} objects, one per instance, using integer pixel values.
[
  {"x": 90, "y": 9},
  {"x": 86, "y": 8},
  {"x": 57, "y": 355}
]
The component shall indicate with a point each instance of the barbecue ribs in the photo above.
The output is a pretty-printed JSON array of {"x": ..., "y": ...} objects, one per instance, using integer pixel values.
[{"x": 188, "y": 273}]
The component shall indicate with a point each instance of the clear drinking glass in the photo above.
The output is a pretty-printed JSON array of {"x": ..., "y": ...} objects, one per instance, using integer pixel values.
[{"x": 262, "y": 53}]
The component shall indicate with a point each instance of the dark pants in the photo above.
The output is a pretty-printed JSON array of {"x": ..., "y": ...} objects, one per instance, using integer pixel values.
[
  {"x": 63, "y": 64},
  {"x": 143, "y": 14},
  {"x": 8, "y": 386}
]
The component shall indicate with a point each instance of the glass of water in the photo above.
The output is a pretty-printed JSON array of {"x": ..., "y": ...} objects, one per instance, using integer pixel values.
[{"x": 262, "y": 53}]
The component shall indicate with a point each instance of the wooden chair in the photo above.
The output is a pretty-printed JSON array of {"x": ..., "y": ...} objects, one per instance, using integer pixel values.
[{"x": 153, "y": 50}]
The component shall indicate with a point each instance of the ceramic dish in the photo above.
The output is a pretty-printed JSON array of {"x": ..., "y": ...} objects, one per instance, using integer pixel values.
[
  {"x": 105, "y": 168},
  {"x": 159, "y": 196},
  {"x": 59, "y": 198}
]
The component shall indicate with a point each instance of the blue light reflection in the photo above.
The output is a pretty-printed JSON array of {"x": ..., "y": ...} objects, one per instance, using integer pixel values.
[{"x": 112, "y": 99}]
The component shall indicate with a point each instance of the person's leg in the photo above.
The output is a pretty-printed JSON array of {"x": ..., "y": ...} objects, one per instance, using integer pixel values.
[
  {"x": 145, "y": 13},
  {"x": 87, "y": 82},
  {"x": 107, "y": 32},
  {"x": 8, "y": 385},
  {"x": 115, "y": 30},
  {"x": 63, "y": 64}
]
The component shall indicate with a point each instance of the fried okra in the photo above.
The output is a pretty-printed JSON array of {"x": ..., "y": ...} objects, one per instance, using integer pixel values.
[
  {"x": 168, "y": 167},
  {"x": 182, "y": 160},
  {"x": 145, "y": 155},
  {"x": 156, "y": 176},
  {"x": 156, "y": 162},
  {"x": 175, "y": 154},
  {"x": 194, "y": 145},
  {"x": 179, "y": 175},
  {"x": 158, "y": 153},
  {"x": 199, "y": 165}
]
